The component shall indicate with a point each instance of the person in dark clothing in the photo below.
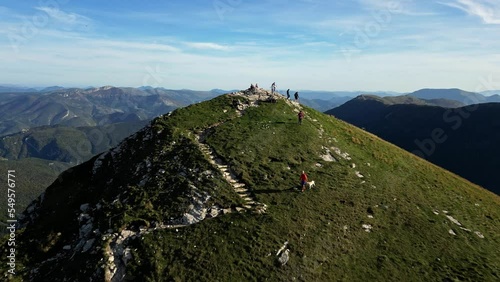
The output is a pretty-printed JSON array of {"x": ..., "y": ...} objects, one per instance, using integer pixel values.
[
  {"x": 301, "y": 116},
  {"x": 296, "y": 96},
  {"x": 288, "y": 94}
]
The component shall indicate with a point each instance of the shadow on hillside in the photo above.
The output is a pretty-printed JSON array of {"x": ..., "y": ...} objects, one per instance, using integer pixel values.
[{"x": 274, "y": 191}]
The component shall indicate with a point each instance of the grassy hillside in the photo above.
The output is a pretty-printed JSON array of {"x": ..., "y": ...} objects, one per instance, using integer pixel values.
[{"x": 376, "y": 213}]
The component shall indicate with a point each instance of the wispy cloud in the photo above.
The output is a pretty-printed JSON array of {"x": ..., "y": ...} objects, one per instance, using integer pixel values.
[
  {"x": 4, "y": 10},
  {"x": 64, "y": 17},
  {"x": 487, "y": 10},
  {"x": 206, "y": 46},
  {"x": 402, "y": 7},
  {"x": 121, "y": 44},
  {"x": 377, "y": 4}
]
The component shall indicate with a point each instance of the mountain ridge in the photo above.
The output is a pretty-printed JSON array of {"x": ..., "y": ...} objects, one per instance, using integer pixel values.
[{"x": 465, "y": 134}]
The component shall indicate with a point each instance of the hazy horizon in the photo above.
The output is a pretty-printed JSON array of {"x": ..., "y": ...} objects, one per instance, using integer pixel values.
[{"x": 41, "y": 87}]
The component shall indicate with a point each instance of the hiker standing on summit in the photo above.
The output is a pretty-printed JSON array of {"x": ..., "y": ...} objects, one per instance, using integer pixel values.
[
  {"x": 296, "y": 96},
  {"x": 273, "y": 87},
  {"x": 288, "y": 94}
]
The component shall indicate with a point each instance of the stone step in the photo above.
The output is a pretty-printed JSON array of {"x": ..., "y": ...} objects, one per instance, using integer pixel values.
[
  {"x": 244, "y": 195},
  {"x": 239, "y": 209},
  {"x": 248, "y": 199},
  {"x": 223, "y": 166},
  {"x": 239, "y": 185},
  {"x": 247, "y": 207},
  {"x": 241, "y": 190}
]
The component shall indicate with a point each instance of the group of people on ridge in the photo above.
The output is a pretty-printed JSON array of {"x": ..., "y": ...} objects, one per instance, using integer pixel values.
[
  {"x": 300, "y": 115},
  {"x": 296, "y": 95},
  {"x": 273, "y": 90}
]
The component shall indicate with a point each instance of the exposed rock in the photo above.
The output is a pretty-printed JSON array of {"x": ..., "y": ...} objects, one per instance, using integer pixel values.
[
  {"x": 345, "y": 156},
  {"x": 327, "y": 156},
  {"x": 367, "y": 227},
  {"x": 453, "y": 220},
  {"x": 85, "y": 207},
  {"x": 88, "y": 245},
  {"x": 285, "y": 256},
  {"x": 85, "y": 230},
  {"x": 282, "y": 248},
  {"x": 214, "y": 212},
  {"x": 127, "y": 255}
]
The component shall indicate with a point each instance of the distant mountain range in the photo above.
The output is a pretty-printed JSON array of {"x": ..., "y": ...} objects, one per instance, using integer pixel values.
[
  {"x": 89, "y": 107},
  {"x": 320, "y": 100},
  {"x": 463, "y": 140},
  {"x": 16, "y": 89},
  {"x": 327, "y": 95},
  {"x": 468, "y": 98},
  {"x": 491, "y": 92},
  {"x": 65, "y": 144},
  {"x": 449, "y": 98}
]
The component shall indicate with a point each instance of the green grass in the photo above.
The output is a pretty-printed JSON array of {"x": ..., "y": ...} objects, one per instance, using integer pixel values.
[{"x": 268, "y": 150}]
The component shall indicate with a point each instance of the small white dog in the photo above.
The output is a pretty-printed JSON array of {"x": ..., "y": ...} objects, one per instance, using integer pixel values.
[{"x": 311, "y": 184}]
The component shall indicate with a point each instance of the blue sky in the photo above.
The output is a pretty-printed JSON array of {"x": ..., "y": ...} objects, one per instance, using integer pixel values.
[{"x": 398, "y": 45}]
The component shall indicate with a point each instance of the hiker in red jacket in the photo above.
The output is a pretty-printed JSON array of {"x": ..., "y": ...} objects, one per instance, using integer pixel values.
[
  {"x": 301, "y": 116},
  {"x": 303, "y": 180}
]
